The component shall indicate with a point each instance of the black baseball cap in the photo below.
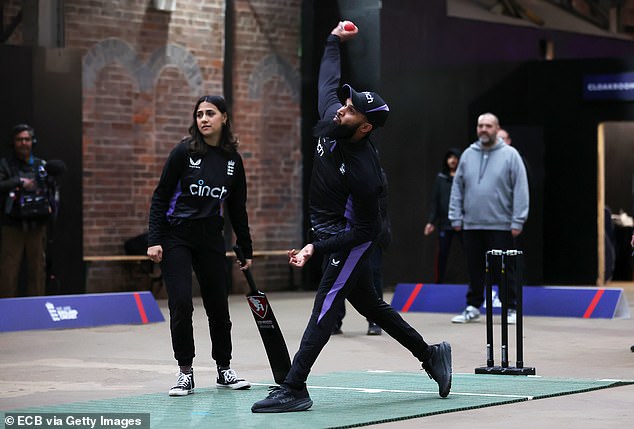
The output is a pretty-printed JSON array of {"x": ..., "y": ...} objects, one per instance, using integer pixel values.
[{"x": 369, "y": 103}]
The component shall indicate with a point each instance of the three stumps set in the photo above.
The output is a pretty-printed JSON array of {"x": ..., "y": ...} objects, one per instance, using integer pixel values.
[{"x": 509, "y": 263}]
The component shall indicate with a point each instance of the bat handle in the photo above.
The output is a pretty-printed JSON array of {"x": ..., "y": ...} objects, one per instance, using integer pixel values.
[
  {"x": 239, "y": 254},
  {"x": 247, "y": 273}
]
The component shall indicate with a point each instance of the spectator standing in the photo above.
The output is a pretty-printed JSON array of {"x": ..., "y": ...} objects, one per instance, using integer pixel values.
[
  {"x": 489, "y": 203},
  {"x": 28, "y": 199},
  {"x": 439, "y": 213}
]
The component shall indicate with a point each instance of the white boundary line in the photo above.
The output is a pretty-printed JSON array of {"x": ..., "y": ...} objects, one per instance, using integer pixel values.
[{"x": 418, "y": 392}]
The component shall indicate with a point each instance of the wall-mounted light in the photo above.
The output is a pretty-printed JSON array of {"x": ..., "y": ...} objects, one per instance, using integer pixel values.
[{"x": 165, "y": 5}]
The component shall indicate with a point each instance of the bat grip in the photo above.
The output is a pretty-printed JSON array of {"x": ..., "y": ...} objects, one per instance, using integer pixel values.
[
  {"x": 247, "y": 273},
  {"x": 239, "y": 254}
]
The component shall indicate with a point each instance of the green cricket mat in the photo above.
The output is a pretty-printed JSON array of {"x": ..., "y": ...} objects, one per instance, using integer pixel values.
[{"x": 340, "y": 400}]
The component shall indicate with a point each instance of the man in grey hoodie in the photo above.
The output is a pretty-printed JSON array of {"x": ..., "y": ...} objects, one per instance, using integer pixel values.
[{"x": 489, "y": 203}]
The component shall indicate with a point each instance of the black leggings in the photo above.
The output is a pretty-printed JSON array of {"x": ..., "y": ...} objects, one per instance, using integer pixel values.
[
  {"x": 347, "y": 275},
  {"x": 199, "y": 245}
]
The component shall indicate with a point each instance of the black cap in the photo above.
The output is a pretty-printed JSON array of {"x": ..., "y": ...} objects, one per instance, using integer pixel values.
[{"x": 369, "y": 103}]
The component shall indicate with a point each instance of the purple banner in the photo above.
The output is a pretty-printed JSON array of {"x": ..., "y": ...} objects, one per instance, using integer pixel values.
[
  {"x": 78, "y": 311},
  {"x": 559, "y": 301}
]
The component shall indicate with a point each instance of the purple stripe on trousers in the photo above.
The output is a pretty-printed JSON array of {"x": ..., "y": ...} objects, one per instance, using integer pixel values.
[{"x": 344, "y": 275}]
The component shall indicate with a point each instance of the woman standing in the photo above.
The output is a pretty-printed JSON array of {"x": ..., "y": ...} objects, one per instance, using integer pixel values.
[
  {"x": 203, "y": 172},
  {"x": 439, "y": 211}
]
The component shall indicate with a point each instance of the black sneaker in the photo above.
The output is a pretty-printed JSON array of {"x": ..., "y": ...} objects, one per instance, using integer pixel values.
[
  {"x": 283, "y": 399},
  {"x": 374, "y": 329},
  {"x": 184, "y": 384},
  {"x": 438, "y": 367},
  {"x": 229, "y": 379}
]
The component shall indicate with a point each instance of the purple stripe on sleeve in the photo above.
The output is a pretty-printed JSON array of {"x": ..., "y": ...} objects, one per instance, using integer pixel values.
[
  {"x": 351, "y": 262},
  {"x": 177, "y": 194}
]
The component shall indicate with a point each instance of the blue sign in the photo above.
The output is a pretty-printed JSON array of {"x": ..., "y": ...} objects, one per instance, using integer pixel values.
[
  {"x": 585, "y": 302},
  {"x": 78, "y": 311},
  {"x": 609, "y": 87}
]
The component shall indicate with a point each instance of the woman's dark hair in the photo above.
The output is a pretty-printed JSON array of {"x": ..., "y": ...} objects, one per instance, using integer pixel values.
[
  {"x": 451, "y": 152},
  {"x": 228, "y": 142}
]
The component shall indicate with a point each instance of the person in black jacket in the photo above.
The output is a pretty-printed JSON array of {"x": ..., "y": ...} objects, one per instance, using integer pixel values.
[
  {"x": 439, "y": 213},
  {"x": 27, "y": 200},
  {"x": 203, "y": 173},
  {"x": 344, "y": 212}
]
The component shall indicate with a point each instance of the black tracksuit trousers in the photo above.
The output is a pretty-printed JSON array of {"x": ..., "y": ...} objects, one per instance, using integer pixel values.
[
  {"x": 197, "y": 244},
  {"x": 347, "y": 275}
]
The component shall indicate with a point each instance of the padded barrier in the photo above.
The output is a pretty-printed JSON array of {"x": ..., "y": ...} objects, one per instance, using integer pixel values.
[
  {"x": 588, "y": 302},
  {"x": 78, "y": 311}
]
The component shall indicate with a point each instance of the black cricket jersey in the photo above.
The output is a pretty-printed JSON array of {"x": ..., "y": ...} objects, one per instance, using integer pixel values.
[
  {"x": 196, "y": 186},
  {"x": 346, "y": 179}
]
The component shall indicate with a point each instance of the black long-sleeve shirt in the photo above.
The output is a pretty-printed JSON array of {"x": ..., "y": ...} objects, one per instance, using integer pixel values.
[
  {"x": 346, "y": 178},
  {"x": 439, "y": 207},
  {"x": 195, "y": 186}
]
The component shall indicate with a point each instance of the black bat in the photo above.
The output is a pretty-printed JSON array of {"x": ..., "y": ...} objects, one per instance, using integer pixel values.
[{"x": 270, "y": 331}]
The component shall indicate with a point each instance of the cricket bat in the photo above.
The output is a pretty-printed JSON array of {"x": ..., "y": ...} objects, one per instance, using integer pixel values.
[{"x": 268, "y": 327}]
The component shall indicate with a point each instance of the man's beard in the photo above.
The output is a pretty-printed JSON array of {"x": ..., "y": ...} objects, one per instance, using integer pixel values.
[
  {"x": 329, "y": 128},
  {"x": 486, "y": 140}
]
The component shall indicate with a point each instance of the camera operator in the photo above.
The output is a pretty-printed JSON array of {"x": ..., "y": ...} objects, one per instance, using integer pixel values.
[{"x": 28, "y": 200}]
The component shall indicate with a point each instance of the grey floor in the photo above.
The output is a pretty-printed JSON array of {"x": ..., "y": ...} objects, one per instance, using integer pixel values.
[{"x": 40, "y": 368}]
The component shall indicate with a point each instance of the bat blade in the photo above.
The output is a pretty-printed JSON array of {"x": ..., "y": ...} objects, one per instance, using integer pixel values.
[
  {"x": 271, "y": 335},
  {"x": 269, "y": 329}
]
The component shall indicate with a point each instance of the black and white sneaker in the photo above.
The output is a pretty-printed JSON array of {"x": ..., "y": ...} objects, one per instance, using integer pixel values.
[
  {"x": 184, "y": 384},
  {"x": 283, "y": 399},
  {"x": 438, "y": 367},
  {"x": 229, "y": 379}
]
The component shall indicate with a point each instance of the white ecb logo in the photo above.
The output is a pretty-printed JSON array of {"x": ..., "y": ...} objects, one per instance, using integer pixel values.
[{"x": 368, "y": 96}]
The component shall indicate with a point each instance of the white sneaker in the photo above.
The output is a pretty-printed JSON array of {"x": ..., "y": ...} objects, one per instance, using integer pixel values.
[
  {"x": 229, "y": 379},
  {"x": 184, "y": 384},
  {"x": 470, "y": 314},
  {"x": 511, "y": 317}
]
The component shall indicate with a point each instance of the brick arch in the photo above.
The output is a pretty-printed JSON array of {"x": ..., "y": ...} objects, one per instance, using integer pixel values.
[
  {"x": 108, "y": 51},
  {"x": 113, "y": 50},
  {"x": 273, "y": 65},
  {"x": 176, "y": 56}
]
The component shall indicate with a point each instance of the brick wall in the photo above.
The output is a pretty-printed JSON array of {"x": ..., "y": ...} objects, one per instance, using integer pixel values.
[{"x": 143, "y": 70}]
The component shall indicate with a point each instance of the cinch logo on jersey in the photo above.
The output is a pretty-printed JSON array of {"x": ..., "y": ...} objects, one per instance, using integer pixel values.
[
  {"x": 202, "y": 190},
  {"x": 230, "y": 166},
  {"x": 194, "y": 164},
  {"x": 61, "y": 313}
]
